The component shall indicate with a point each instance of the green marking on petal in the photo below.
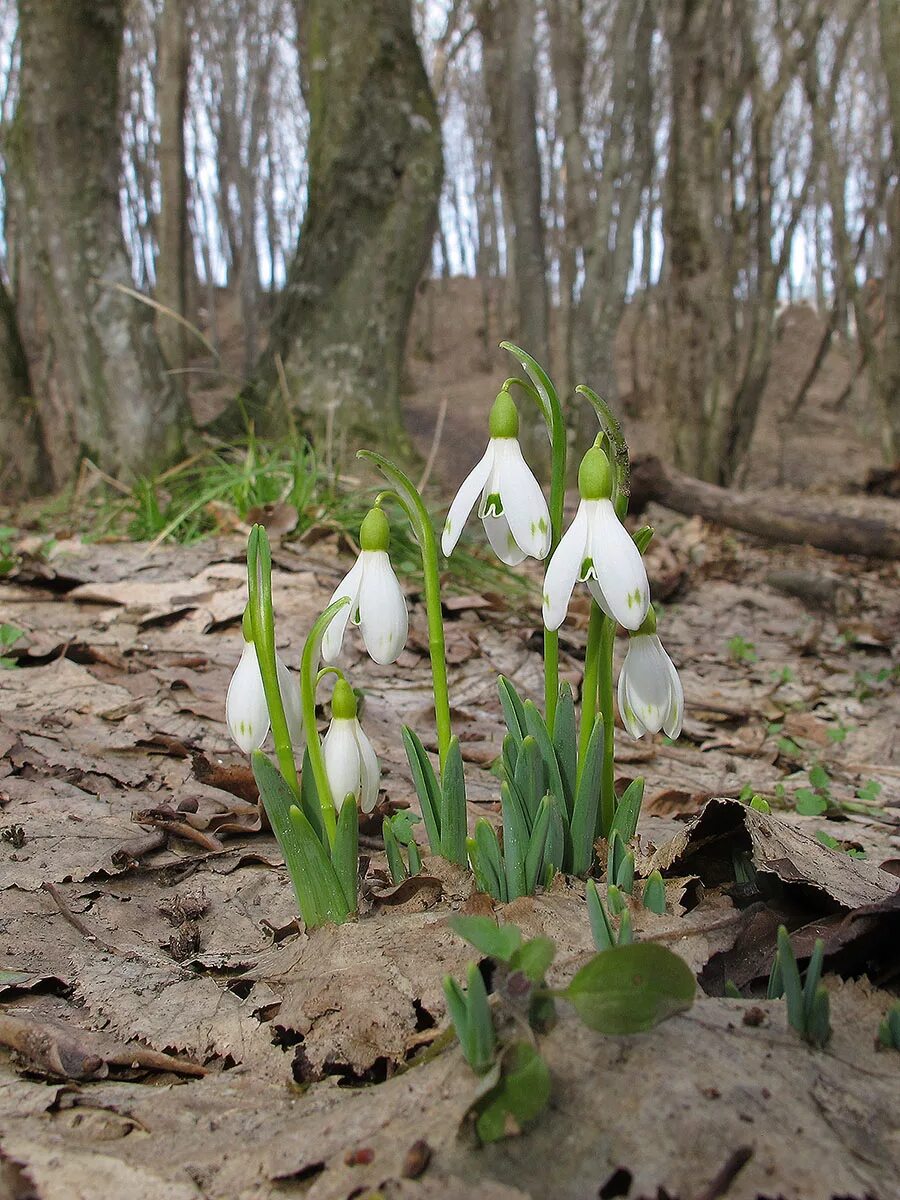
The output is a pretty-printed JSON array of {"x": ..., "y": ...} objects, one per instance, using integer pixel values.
[
  {"x": 542, "y": 525},
  {"x": 586, "y": 567},
  {"x": 493, "y": 504}
]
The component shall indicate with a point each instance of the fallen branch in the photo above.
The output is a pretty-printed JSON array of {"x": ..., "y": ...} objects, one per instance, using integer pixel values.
[{"x": 765, "y": 517}]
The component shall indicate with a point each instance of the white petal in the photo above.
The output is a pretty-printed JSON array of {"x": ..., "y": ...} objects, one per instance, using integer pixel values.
[
  {"x": 334, "y": 634},
  {"x": 596, "y": 592},
  {"x": 342, "y": 764},
  {"x": 370, "y": 770},
  {"x": 523, "y": 501},
  {"x": 501, "y": 539},
  {"x": 564, "y": 569},
  {"x": 626, "y": 711},
  {"x": 618, "y": 566},
  {"x": 675, "y": 716},
  {"x": 465, "y": 499},
  {"x": 648, "y": 682},
  {"x": 289, "y": 687},
  {"x": 383, "y": 618},
  {"x": 245, "y": 703}
]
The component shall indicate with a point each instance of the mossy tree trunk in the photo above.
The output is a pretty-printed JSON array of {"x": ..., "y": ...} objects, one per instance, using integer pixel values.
[
  {"x": 24, "y": 465},
  {"x": 375, "y": 169},
  {"x": 64, "y": 154}
]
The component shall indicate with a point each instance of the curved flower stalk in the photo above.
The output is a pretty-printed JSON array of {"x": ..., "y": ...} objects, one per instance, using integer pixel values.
[
  {"x": 650, "y": 694},
  {"x": 350, "y": 761},
  {"x": 377, "y": 604},
  {"x": 597, "y": 549},
  {"x": 246, "y": 710},
  {"x": 512, "y": 506}
]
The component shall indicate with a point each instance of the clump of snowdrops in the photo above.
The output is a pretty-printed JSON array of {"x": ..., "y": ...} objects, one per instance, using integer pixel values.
[{"x": 557, "y": 789}]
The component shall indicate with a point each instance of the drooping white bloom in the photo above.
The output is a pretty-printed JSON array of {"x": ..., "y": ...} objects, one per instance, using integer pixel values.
[
  {"x": 597, "y": 549},
  {"x": 377, "y": 604},
  {"x": 512, "y": 505},
  {"x": 246, "y": 710},
  {"x": 350, "y": 761},
  {"x": 650, "y": 693}
]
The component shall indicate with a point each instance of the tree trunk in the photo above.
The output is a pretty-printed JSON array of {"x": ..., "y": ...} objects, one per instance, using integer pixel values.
[
  {"x": 508, "y": 50},
  {"x": 25, "y": 465},
  {"x": 889, "y": 22},
  {"x": 172, "y": 260},
  {"x": 64, "y": 151},
  {"x": 375, "y": 168}
]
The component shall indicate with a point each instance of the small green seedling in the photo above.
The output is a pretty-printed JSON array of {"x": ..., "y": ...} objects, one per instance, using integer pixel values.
[
  {"x": 397, "y": 831},
  {"x": 808, "y": 1007},
  {"x": 889, "y": 1029},
  {"x": 741, "y": 650}
]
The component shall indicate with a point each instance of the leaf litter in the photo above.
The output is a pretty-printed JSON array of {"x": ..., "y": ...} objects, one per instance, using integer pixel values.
[{"x": 327, "y": 1066}]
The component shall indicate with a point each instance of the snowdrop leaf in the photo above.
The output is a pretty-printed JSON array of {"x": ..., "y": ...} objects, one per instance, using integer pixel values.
[
  {"x": 587, "y": 802},
  {"x": 453, "y": 818},
  {"x": 654, "y": 895},
  {"x": 426, "y": 785},
  {"x": 496, "y": 941},
  {"x": 529, "y": 777},
  {"x": 309, "y": 799},
  {"x": 513, "y": 711},
  {"x": 629, "y": 989},
  {"x": 345, "y": 852},
  {"x": 396, "y": 865},
  {"x": 555, "y": 848},
  {"x": 489, "y": 859},
  {"x": 538, "y": 731},
  {"x": 565, "y": 743},
  {"x": 515, "y": 840},
  {"x": 319, "y": 878},
  {"x": 628, "y": 810},
  {"x": 601, "y": 930},
  {"x": 534, "y": 857}
]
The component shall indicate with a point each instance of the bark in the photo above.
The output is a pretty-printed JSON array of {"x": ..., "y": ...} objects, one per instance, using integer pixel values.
[
  {"x": 889, "y": 382},
  {"x": 64, "y": 153},
  {"x": 508, "y": 54},
  {"x": 172, "y": 263},
  {"x": 25, "y": 465},
  {"x": 375, "y": 168},
  {"x": 772, "y": 519}
]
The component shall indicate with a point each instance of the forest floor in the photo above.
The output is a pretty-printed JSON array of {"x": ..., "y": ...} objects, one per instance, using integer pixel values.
[{"x": 170, "y": 1032}]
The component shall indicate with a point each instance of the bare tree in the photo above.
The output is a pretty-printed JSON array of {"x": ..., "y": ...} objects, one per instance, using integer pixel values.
[
  {"x": 173, "y": 260},
  {"x": 64, "y": 154},
  {"x": 888, "y": 376},
  {"x": 25, "y": 468}
]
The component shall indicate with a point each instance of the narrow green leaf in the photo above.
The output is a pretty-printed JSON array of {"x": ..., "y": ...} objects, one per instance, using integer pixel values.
[
  {"x": 793, "y": 992},
  {"x": 521, "y": 1095},
  {"x": 496, "y": 941},
  {"x": 614, "y": 900},
  {"x": 587, "y": 803},
  {"x": 615, "y": 853},
  {"x": 529, "y": 777},
  {"x": 534, "y": 857},
  {"x": 278, "y": 799},
  {"x": 813, "y": 977},
  {"x": 415, "y": 858},
  {"x": 481, "y": 1022},
  {"x": 565, "y": 743},
  {"x": 515, "y": 841},
  {"x": 396, "y": 865},
  {"x": 538, "y": 730},
  {"x": 818, "y": 1026},
  {"x": 459, "y": 1013},
  {"x": 309, "y": 799},
  {"x": 626, "y": 932},
  {"x": 426, "y": 785},
  {"x": 643, "y": 537},
  {"x": 601, "y": 930},
  {"x": 345, "y": 851},
  {"x": 555, "y": 849},
  {"x": 628, "y": 989},
  {"x": 509, "y": 758},
  {"x": 319, "y": 878},
  {"x": 533, "y": 959},
  {"x": 654, "y": 895},
  {"x": 512, "y": 709},
  {"x": 628, "y": 810},
  {"x": 775, "y": 988},
  {"x": 454, "y": 821},
  {"x": 482, "y": 881},
  {"x": 489, "y": 858},
  {"x": 625, "y": 873}
]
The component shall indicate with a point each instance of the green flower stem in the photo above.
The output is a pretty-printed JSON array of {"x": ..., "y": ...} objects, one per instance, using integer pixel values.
[
  {"x": 415, "y": 509},
  {"x": 262, "y": 625},
  {"x": 591, "y": 682},
  {"x": 551, "y": 410},
  {"x": 608, "y": 778},
  {"x": 309, "y": 677},
  {"x": 618, "y": 449}
]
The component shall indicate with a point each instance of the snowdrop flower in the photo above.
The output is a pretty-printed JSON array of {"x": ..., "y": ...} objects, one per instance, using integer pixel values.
[
  {"x": 597, "y": 549},
  {"x": 246, "y": 710},
  {"x": 377, "y": 604},
  {"x": 512, "y": 507},
  {"x": 350, "y": 761},
  {"x": 650, "y": 693}
]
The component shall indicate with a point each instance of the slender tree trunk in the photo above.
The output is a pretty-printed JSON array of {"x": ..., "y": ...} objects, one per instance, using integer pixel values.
[
  {"x": 889, "y": 375},
  {"x": 172, "y": 263},
  {"x": 375, "y": 168},
  {"x": 508, "y": 50},
  {"x": 24, "y": 465},
  {"x": 64, "y": 152}
]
